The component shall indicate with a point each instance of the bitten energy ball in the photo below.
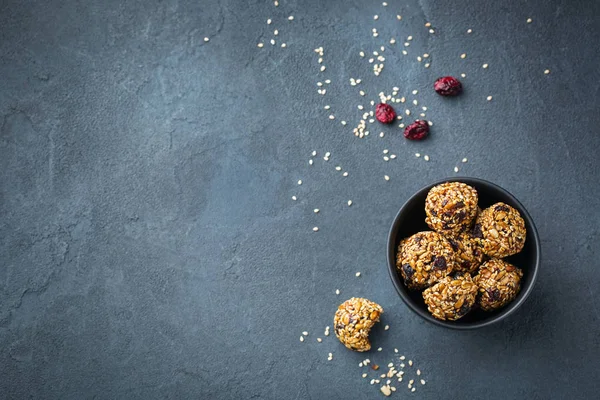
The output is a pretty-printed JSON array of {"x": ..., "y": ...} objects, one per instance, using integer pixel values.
[
  {"x": 500, "y": 230},
  {"x": 499, "y": 283},
  {"x": 353, "y": 320},
  {"x": 468, "y": 253},
  {"x": 451, "y": 207},
  {"x": 423, "y": 259},
  {"x": 451, "y": 298}
]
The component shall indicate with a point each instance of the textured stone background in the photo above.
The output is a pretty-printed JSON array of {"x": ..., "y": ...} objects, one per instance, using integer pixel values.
[{"x": 149, "y": 245}]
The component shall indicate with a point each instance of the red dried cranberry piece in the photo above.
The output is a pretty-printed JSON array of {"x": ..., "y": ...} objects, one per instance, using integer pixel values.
[
  {"x": 418, "y": 130},
  {"x": 447, "y": 86},
  {"x": 385, "y": 113}
]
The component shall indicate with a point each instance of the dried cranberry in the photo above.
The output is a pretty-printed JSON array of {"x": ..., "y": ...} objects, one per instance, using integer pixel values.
[
  {"x": 385, "y": 113},
  {"x": 476, "y": 232},
  {"x": 501, "y": 207},
  {"x": 447, "y": 86},
  {"x": 408, "y": 271},
  {"x": 418, "y": 130},
  {"x": 440, "y": 263}
]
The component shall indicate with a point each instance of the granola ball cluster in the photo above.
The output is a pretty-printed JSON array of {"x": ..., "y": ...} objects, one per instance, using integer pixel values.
[
  {"x": 458, "y": 264},
  {"x": 353, "y": 320}
]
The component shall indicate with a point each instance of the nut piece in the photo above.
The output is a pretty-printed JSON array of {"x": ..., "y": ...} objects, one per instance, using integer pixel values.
[
  {"x": 468, "y": 253},
  {"x": 451, "y": 298},
  {"x": 499, "y": 283},
  {"x": 424, "y": 258},
  {"x": 451, "y": 207},
  {"x": 353, "y": 320},
  {"x": 500, "y": 230}
]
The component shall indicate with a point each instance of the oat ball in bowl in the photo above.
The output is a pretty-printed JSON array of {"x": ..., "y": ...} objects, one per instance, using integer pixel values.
[
  {"x": 451, "y": 298},
  {"x": 498, "y": 283},
  {"x": 468, "y": 253},
  {"x": 451, "y": 207},
  {"x": 353, "y": 321},
  {"x": 411, "y": 219},
  {"x": 500, "y": 229},
  {"x": 424, "y": 258}
]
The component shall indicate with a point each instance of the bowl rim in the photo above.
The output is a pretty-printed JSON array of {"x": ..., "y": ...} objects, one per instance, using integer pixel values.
[{"x": 396, "y": 281}]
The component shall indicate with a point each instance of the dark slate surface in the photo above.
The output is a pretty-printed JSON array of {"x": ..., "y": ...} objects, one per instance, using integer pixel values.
[{"x": 149, "y": 244}]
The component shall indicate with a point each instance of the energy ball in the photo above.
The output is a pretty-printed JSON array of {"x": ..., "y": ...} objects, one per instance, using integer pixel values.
[
  {"x": 500, "y": 230},
  {"x": 353, "y": 320},
  {"x": 451, "y": 298},
  {"x": 451, "y": 207},
  {"x": 499, "y": 283},
  {"x": 423, "y": 259},
  {"x": 468, "y": 253}
]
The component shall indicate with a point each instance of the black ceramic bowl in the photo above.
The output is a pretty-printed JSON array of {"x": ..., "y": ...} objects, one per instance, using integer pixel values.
[{"x": 411, "y": 219}]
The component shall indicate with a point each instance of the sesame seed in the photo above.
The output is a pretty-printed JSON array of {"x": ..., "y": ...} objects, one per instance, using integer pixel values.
[
  {"x": 316, "y": 210},
  {"x": 305, "y": 333},
  {"x": 431, "y": 31},
  {"x": 322, "y": 68},
  {"x": 426, "y": 55},
  {"x": 364, "y": 375},
  {"x": 469, "y": 30},
  {"x": 345, "y": 174},
  {"x": 406, "y": 44},
  {"x": 375, "y": 34},
  {"x": 410, "y": 362},
  {"x": 328, "y": 154},
  {"x": 401, "y": 126},
  {"x": 427, "y": 24},
  {"x": 291, "y": 18},
  {"x": 427, "y": 65},
  {"x": 402, "y": 357},
  {"x": 489, "y": 98},
  {"x": 328, "y": 81},
  {"x": 426, "y": 157},
  {"x": 275, "y": 32},
  {"x": 417, "y": 154},
  {"x": 332, "y": 116},
  {"x": 310, "y": 162},
  {"x": 357, "y": 274},
  {"x": 546, "y": 71},
  {"x": 320, "y": 60},
  {"x": 455, "y": 169},
  {"x": 381, "y": 134},
  {"x": 385, "y": 151},
  {"x": 419, "y": 59},
  {"x": 375, "y": 17},
  {"x": 260, "y": 44},
  {"x": 273, "y": 41},
  {"x": 464, "y": 160},
  {"x": 360, "y": 107},
  {"x": 349, "y": 203},
  {"x": 463, "y": 75},
  {"x": 330, "y": 357},
  {"x": 294, "y": 198},
  {"x": 327, "y": 107},
  {"x": 319, "y": 84},
  {"x": 413, "y": 389},
  {"x": 316, "y": 229},
  {"x": 411, "y": 381},
  {"x": 422, "y": 381},
  {"x": 392, "y": 41},
  {"x": 387, "y": 327},
  {"x": 384, "y": 4},
  {"x": 283, "y": 45},
  {"x": 269, "y": 21},
  {"x": 314, "y": 153},
  {"x": 409, "y": 38},
  {"x": 404, "y": 52},
  {"x": 463, "y": 55},
  {"x": 402, "y": 365},
  {"x": 407, "y": 112},
  {"x": 415, "y": 102},
  {"x": 529, "y": 20},
  {"x": 387, "y": 178},
  {"x": 484, "y": 66},
  {"x": 343, "y": 122},
  {"x": 386, "y": 158},
  {"x": 302, "y": 338},
  {"x": 398, "y": 17},
  {"x": 362, "y": 54},
  {"x": 337, "y": 291},
  {"x": 299, "y": 181},
  {"x": 206, "y": 39},
  {"x": 275, "y": 3},
  {"x": 418, "y": 372},
  {"x": 379, "y": 349}
]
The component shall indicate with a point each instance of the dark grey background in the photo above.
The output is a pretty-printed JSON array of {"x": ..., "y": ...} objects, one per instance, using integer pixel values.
[{"x": 149, "y": 245}]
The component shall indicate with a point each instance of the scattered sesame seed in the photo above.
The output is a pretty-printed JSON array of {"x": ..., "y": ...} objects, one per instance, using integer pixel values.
[
  {"x": 260, "y": 44},
  {"x": 427, "y": 24},
  {"x": 316, "y": 210},
  {"x": 345, "y": 174},
  {"x": 327, "y": 107},
  {"x": 364, "y": 375},
  {"x": 360, "y": 107},
  {"x": 415, "y": 102},
  {"x": 427, "y": 65},
  {"x": 410, "y": 362},
  {"x": 362, "y": 54},
  {"x": 406, "y": 44},
  {"x": 361, "y": 92},
  {"x": 489, "y": 98},
  {"x": 343, "y": 122},
  {"x": 305, "y": 333},
  {"x": 386, "y": 328},
  {"x": 328, "y": 154},
  {"x": 464, "y": 160},
  {"x": 426, "y": 157},
  {"x": 546, "y": 71},
  {"x": 357, "y": 274},
  {"x": 386, "y": 158},
  {"x": 402, "y": 365},
  {"x": 484, "y": 66},
  {"x": 384, "y": 4},
  {"x": 409, "y": 38},
  {"x": 418, "y": 372},
  {"x": 398, "y": 17},
  {"x": 411, "y": 381},
  {"x": 431, "y": 31},
  {"x": 273, "y": 41},
  {"x": 381, "y": 134},
  {"x": 319, "y": 84},
  {"x": 463, "y": 55},
  {"x": 469, "y": 30},
  {"x": 320, "y": 60},
  {"x": 294, "y": 198},
  {"x": 407, "y": 112},
  {"x": 337, "y": 291},
  {"x": 375, "y": 17},
  {"x": 314, "y": 153},
  {"x": 275, "y": 3},
  {"x": 417, "y": 154},
  {"x": 375, "y": 34},
  {"x": 206, "y": 39},
  {"x": 402, "y": 357},
  {"x": 302, "y": 338},
  {"x": 349, "y": 203},
  {"x": 392, "y": 41},
  {"x": 463, "y": 75},
  {"x": 385, "y": 151},
  {"x": 322, "y": 68},
  {"x": 269, "y": 21},
  {"x": 319, "y": 340},
  {"x": 328, "y": 81},
  {"x": 379, "y": 349},
  {"x": 393, "y": 156},
  {"x": 283, "y": 45},
  {"x": 529, "y": 20},
  {"x": 275, "y": 32},
  {"x": 422, "y": 381},
  {"x": 387, "y": 178},
  {"x": 455, "y": 169},
  {"x": 332, "y": 116},
  {"x": 291, "y": 18},
  {"x": 330, "y": 357},
  {"x": 404, "y": 52},
  {"x": 316, "y": 229},
  {"x": 299, "y": 181},
  {"x": 419, "y": 59},
  {"x": 413, "y": 389}
]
